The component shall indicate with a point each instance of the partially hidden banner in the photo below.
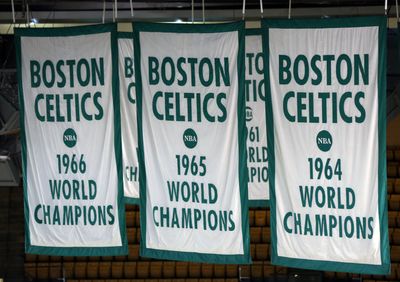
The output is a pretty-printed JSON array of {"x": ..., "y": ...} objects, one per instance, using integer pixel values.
[
  {"x": 257, "y": 153},
  {"x": 71, "y": 144},
  {"x": 128, "y": 118},
  {"x": 192, "y": 145},
  {"x": 326, "y": 122}
]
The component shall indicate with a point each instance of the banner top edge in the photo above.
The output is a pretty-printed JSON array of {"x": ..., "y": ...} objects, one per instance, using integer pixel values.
[
  {"x": 66, "y": 31},
  {"x": 187, "y": 28},
  {"x": 341, "y": 22}
]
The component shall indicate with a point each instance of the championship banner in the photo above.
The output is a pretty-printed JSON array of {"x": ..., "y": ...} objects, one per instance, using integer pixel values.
[
  {"x": 326, "y": 121},
  {"x": 71, "y": 141},
  {"x": 257, "y": 153},
  {"x": 128, "y": 117},
  {"x": 192, "y": 142}
]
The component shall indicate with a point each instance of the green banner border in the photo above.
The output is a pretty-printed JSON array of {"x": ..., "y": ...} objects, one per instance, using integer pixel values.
[
  {"x": 258, "y": 203},
  {"x": 242, "y": 169},
  {"x": 128, "y": 200},
  {"x": 382, "y": 202},
  {"x": 75, "y": 31}
]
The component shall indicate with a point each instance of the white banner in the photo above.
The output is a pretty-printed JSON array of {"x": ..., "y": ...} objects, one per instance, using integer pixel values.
[
  {"x": 257, "y": 153},
  {"x": 191, "y": 120},
  {"x": 327, "y": 141},
  {"x": 128, "y": 117},
  {"x": 71, "y": 146}
]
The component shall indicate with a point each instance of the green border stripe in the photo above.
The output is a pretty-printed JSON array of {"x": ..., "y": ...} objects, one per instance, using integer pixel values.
[
  {"x": 256, "y": 203},
  {"x": 384, "y": 268},
  {"x": 191, "y": 256},
  {"x": 127, "y": 35},
  {"x": 74, "y": 31},
  {"x": 128, "y": 200},
  {"x": 259, "y": 203},
  {"x": 131, "y": 201}
]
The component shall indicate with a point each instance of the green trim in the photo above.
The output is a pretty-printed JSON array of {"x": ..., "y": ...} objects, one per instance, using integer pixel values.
[
  {"x": 186, "y": 28},
  {"x": 118, "y": 138},
  {"x": 259, "y": 203},
  {"x": 131, "y": 201},
  {"x": 253, "y": 31},
  {"x": 63, "y": 31},
  {"x": 23, "y": 140},
  {"x": 127, "y": 35},
  {"x": 384, "y": 268},
  {"x": 128, "y": 200},
  {"x": 191, "y": 256},
  {"x": 382, "y": 172},
  {"x": 75, "y": 31},
  {"x": 242, "y": 138}
]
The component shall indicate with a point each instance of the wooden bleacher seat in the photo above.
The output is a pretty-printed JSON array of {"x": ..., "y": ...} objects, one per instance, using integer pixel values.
[
  {"x": 42, "y": 270},
  {"x": 392, "y": 170},
  {"x": 55, "y": 259},
  {"x": 92, "y": 269},
  {"x": 137, "y": 218},
  {"x": 390, "y": 155},
  {"x": 395, "y": 238},
  {"x": 395, "y": 253},
  {"x": 105, "y": 269},
  {"x": 69, "y": 258},
  {"x": 397, "y": 155},
  {"x": 182, "y": 269},
  {"x": 393, "y": 219},
  {"x": 68, "y": 269},
  {"x": 117, "y": 270},
  {"x": 194, "y": 270},
  {"x": 130, "y": 269},
  {"x": 30, "y": 258},
  {"x": 138, "y": 235},
  {"x": 169, "y": 269},
  {"x": 256, "y": 270},
  {"x": 244, "y": 271},
  {"x": 131, "y": 234},
  {"x": 143, "y": 269},
  {"x": 30, "y": 270},
  {"x": 390, "y": 185},
  {"x": 106, "y": 258},
  {"x": 42, "y": 258},
  {"x": 130, "y": 218},
  {"x": 394, "y": 202},
  {"x": 207, "y": 270},
  {"x": 251, "y": 218},
  {"x": 80, "y": 269},
  {"x": 253, "y": 250},
  {"x": 268, "y": 269},
  {"x": 231, "y": 270},
  {"x": 55, "y": 271},
  {"x": 255, "y": 235},
  {"x": 260, "y": 218},
  {"x": 265, "y": 235},
  {"x": 396, "y": 186},
  {"x": 219, "y": 271},
  {"x": 262, "y": 252},
  {"x": 156, "y": 269}
]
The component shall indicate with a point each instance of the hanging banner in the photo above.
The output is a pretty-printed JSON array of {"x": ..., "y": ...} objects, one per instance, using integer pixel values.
[
  {"x": 257, "y": 154},
  {"x": 71, "y": 144},
  {"x": 326, "y": 122},
  {"x": 192, "y": 146},
  {"x": 128, "y": 117}
]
